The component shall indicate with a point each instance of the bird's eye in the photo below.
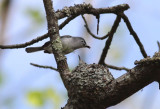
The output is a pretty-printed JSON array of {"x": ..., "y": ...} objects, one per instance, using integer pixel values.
[{"x": 83, "y": 41}]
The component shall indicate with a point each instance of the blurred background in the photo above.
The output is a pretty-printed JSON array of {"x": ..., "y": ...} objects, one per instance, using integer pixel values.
[{"x": 23, "y": 86}]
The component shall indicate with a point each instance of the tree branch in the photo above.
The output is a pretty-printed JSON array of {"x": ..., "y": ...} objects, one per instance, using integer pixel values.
[
  {"x": 81, "y": 9},
  {"x": 129, "y": 83},
  {"x": 109, "y": 40},
  {"x": 94, "y": 36},
  {"x": 53, "y": 32},
  {"x": 45, "y": 67},
  {"x": 40, "y": 38},
  {"x": 132, "y": 32},
  {"x": 116, "y": 68},
  {"x": 66, "y": 21},
  {"x": 24, "y": 44}
]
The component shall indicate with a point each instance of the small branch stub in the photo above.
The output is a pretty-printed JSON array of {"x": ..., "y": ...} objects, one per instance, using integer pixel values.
[{"x": 155, "y": 60}]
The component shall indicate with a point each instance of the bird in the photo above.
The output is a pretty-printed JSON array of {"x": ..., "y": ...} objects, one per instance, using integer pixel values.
[{"x": 69, "y": 44}]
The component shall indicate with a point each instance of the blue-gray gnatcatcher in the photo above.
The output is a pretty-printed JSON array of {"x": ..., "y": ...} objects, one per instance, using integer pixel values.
[{"x": 69, "y": 44}]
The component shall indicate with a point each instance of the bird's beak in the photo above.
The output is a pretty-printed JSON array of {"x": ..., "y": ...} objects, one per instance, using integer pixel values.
[{"x": 87, "y": 46}]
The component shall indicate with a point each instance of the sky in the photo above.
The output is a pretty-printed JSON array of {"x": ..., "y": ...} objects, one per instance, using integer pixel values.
[{"x": 19, "y": 77}]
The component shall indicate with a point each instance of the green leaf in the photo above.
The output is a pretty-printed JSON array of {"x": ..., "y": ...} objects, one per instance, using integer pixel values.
[
  {"x": 54, "y": 96},
  {"x": 39, "y": 98},
  {"x": 36, "y": 98},
  {"x": 35, "y": 15}
]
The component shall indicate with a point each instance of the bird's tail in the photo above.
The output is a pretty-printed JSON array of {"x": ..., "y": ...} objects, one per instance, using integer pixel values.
[{"x": 33, "y": 49}]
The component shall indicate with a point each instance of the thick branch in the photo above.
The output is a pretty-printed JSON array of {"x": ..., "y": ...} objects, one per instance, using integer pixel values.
[
  {"x": 129, "y": 83},
  {"x": 109, "y": 40},
  {"x": 81, "y": 9},
  {"x": 53, "y": 32}
]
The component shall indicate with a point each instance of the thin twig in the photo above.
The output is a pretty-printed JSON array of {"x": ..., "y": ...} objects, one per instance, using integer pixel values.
[
  {"x": 133, "y": 33},
  {"x": 96, "y": 37},
  {"x": 40, "y": 38},
  {"x": 66, "y": 21},
  {"x": 109, "y": 40},
  {"x": 117, "y": 68},
  {"x": 24, "y": 44},
  {"x": 45, "y": 67}
]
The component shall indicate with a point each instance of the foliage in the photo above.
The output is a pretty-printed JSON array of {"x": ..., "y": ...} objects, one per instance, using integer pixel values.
[{"x": 40, "y": 98}]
